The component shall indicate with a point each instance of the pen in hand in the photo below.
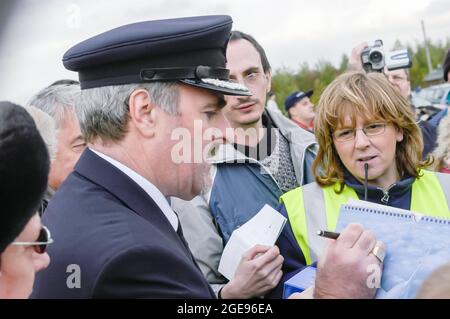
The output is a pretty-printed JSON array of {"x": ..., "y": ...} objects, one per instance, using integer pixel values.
[{"x": 328, "y": 234}]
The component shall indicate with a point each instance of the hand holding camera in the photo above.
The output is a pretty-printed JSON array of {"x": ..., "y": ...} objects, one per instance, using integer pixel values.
[{"x": 374, "y": 59}]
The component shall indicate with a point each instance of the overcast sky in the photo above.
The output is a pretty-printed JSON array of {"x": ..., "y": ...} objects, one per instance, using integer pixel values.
[{"x": 37, "y": 32}]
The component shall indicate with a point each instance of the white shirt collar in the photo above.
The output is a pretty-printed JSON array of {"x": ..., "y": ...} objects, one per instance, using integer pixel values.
[{"x": 147, "y": 186}]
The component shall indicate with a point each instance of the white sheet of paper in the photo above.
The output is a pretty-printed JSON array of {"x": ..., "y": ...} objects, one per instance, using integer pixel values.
[{"x": 263, "y": 229}]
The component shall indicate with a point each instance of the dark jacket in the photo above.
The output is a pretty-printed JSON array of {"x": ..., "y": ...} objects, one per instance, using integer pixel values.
[
  {"x": 429, "y": 135},
  {"x": 125, "y": 247},
  {"x": 436, "y": 119}
]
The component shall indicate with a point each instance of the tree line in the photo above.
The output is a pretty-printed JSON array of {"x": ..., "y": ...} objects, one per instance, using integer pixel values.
[{"x": 286, "y": 81}]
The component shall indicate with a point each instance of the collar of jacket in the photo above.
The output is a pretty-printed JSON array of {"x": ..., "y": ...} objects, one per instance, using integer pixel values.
[
  {"x": 226, "y": 153},
  {"x": 106, "y": 175},
  {"x": 397, "y": 189},
  {"x": 294, "y": 134},
  {"x": 302, "y": 139}
]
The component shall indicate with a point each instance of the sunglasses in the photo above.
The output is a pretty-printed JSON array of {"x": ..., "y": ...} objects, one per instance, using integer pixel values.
[{"x": 40, "y": 246}]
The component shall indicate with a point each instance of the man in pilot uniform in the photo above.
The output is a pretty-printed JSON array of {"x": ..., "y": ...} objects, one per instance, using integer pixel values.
[{"x": 115, "y": 235}]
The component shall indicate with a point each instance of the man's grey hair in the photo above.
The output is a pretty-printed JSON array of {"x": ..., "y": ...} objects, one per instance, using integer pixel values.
[
  {"x": 47, "y": 127},
  {"x": 103, "y": 112},
  {"x": 56, "y": 100}
]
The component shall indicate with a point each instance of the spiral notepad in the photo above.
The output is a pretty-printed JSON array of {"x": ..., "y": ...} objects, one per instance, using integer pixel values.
[{"x": 416, "y": 244}]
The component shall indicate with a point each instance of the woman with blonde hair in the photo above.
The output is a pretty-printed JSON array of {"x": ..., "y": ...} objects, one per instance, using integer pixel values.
[{"x": 370, "y": 147}]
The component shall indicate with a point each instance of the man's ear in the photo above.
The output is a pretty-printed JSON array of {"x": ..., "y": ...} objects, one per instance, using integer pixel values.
[
  {"x": 142, "y": 112},
  {"x": 291, "y": 112},
  {"x": 268, "y": 75}
]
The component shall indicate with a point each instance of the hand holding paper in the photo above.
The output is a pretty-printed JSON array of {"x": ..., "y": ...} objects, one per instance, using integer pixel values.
[
  {"x": 263, "y": 229},
  {"x": 250, "y": 260},
  {"x": 258, "y": 272}
]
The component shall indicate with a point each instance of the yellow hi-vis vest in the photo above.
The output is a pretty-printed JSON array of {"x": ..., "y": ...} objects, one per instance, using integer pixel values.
[{"x": 311, "y": 208}]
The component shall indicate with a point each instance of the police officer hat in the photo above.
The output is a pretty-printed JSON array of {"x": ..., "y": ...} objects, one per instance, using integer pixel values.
[
  {"x": 191, "y": 50},
  {"x": 24, "y": 167}
]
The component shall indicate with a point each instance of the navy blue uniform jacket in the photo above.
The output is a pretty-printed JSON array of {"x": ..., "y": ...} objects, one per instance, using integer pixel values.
[{"x": 125, "y": 247}]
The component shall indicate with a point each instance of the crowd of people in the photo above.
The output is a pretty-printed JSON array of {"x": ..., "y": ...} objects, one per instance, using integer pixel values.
[{"x": 102, "y": 190}]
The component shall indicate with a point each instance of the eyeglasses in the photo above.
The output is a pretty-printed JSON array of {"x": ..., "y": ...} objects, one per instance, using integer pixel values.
[
  {"x": 40, "y": 246},
  {"x": 349, "y": 134},
  {"x": 251, "y": 78}
]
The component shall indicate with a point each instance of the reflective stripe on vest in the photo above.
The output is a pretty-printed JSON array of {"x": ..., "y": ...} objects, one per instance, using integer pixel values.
[{"x": 430, "y": 196}]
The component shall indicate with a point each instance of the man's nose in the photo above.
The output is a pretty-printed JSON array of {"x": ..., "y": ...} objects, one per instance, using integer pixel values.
[{"x": 40, "y": 261}]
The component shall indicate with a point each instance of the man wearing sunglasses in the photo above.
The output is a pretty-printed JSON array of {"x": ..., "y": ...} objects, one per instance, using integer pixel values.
[
  {"x": 23, "y": 258},
  {"x": 24, "y": 166}
]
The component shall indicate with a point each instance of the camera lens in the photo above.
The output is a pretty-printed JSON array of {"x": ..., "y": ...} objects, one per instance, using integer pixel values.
[{"x": 376, "y": 57}]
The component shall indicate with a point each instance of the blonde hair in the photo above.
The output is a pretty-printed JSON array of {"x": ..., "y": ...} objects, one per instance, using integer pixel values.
[
  {"x": 371, "y": 97},
  {"x": 47, "y": 128}
]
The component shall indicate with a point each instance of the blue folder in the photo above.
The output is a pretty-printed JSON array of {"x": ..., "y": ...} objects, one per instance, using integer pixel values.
[
  {"x": 415, "y": 244},
  {"x": 299, "y": 282}
]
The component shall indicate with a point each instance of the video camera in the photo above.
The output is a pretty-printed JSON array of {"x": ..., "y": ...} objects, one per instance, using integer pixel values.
[{"x": 374, "y": 59}]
